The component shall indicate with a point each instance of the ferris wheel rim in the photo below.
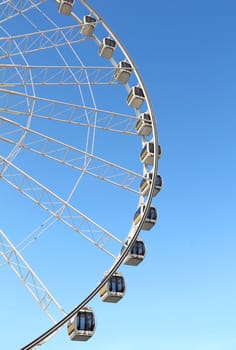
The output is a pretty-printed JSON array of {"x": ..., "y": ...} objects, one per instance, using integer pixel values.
[{"x": 120, "y": 258}]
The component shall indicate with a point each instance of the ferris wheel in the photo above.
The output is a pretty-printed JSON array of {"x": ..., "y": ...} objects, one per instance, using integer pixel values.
[{"x": 78, "y": 161}]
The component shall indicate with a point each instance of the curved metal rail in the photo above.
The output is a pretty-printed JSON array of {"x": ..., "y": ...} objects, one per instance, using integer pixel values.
[{"x": 53, "y": 330}]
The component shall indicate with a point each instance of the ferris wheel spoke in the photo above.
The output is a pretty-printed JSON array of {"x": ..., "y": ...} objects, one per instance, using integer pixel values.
[
  {"x": 36, "y": 233},
  {"x": 14, "y": 8},
  {"x": 58, "y": 111},
  {"x": 56, "y": 206},
  {"x": 55, "y": 75},
  {"x": 11, "y": 46},
  {"x": 29, "y": 278},
  {"x": 70, "y": 143},
  {"x": 73, "y": 157}
]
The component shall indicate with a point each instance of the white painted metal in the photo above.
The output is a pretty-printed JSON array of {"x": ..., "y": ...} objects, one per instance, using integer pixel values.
[
  {"x": 29, "y": 278},
  {"x": 21, "y": 81}
]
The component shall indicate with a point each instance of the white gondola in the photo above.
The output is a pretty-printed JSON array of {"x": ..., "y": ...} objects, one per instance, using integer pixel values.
[
  {"x": 136, "y": 253},
  {"x": 123, "y": 71},
  {"x": 88, "y": 25},
  {"x": 107, "y": 47},
  {"x": 114, "y": 289},
  {"x": 135, "y": 97},
  {"x": 150, "y": 219},
  {"x": 65, "y": 7},
  {"x": 144, "y": 124},
  {"x": 147, "y": 153},
  {"x": 81, "y": 327},
  {"x": 145, "y": 184}
]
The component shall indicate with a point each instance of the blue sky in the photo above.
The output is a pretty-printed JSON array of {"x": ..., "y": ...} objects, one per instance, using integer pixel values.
[{"x": 183, "y": 295}]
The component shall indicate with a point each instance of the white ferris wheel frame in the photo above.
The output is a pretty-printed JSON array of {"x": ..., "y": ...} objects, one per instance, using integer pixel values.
[{"x": 7, "y": 164}]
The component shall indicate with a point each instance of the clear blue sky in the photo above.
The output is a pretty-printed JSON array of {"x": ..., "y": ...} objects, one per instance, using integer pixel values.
[{"x": 182, "y": 297}]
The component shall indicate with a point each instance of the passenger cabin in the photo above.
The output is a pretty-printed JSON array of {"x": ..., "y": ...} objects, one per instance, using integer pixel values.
[
  {"x": 136, "y": 253},
  {"x": 145, "y": 184},
  {"x": 147, "y": 153},
  {"x": 150, "y": 219},
  {"x": 65, "y": 7},
  {"x": 135, "y": 97},
  {"x": 88, "y": 25},
  {"x": 81, "y": 327},
  {"x": 123, "y": 71},
  {"x": 114, "y": 289},
  {"x": 107, "y": 47},
  {"x": 144, "y": 124}
]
